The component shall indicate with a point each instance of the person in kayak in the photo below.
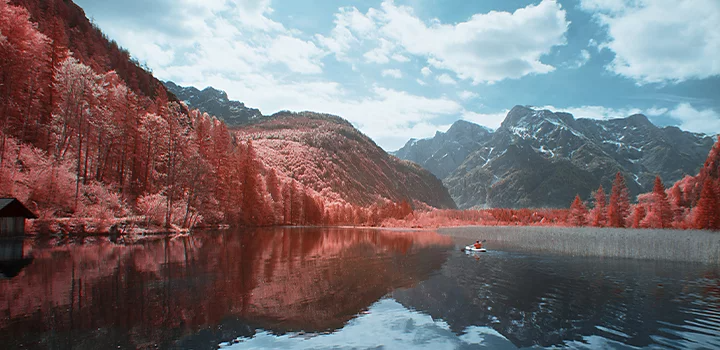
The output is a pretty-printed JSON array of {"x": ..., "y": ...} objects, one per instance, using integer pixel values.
[{"x": 477, "y": 245}]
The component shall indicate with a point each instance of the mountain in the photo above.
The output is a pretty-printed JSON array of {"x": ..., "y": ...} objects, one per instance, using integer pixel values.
[
  {"x": 326, "y": 153},
  {"x": 214, "y": 102},
  {"x": 118, "y": 149},
  {"x": 538, "y": 158},
  {"x": 442, "y": 154}
]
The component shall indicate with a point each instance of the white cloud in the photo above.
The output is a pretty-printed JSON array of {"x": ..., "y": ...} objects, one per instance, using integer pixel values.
[
  {"x": 388, "y": 116},
  {"x": 596, "y": 112},
  {"x": 468, "y": 95},
  {"x": 490, "y": 120},
  {"x": 705, "y": 121},
  {"x": 381, "y": 53},
  {"x": 446, "y": 79},
  {"x": 661, "y": 40},
  {"x": 422, "y": 83},
  {"x": 299, "y": 56},
  {"x": 426, "y": 71},
  {"x": 393, "y": 73},
  {"x": 654, "y": 111},
  {"x": 400, "y": 58},
  {"x": 486, "y": 48},
  {"x": 250, "y": 13}
]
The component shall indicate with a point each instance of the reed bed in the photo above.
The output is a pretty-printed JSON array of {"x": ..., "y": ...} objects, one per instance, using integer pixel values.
[{"x": 653, "y": 244}]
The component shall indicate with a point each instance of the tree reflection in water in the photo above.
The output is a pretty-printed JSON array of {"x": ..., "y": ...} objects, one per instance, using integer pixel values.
[{"x": 199, "y": 290}]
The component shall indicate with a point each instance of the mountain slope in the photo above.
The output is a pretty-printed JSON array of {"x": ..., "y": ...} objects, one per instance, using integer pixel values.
[
  {"x": 214, "y": 102},
  {"x": 327, "y": 154},
  {"x": 538, "y": 158},
  {"x": 442, "y": 154}
]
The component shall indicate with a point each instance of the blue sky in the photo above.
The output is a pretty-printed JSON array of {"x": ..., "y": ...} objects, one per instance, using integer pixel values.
[{"x": 408, "y": 68}]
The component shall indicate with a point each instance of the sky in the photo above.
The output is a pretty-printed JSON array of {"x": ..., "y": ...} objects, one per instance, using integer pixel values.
[{"x": 401, "y": 69}]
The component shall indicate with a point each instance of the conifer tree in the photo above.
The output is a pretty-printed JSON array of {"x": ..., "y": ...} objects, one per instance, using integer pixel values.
[
  {"x": 660, "y": 209},
  {"x": 598, "y": 218},
  {"x": 619, "y": 206},
  {"x": 578, "y": 212},
  {"x": 707, "y": 213}
]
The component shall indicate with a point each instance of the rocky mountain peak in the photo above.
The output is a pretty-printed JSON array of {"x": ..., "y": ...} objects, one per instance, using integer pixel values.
[
  {"x": 640, "y": 120},
  {"x": 210, "y": 92},
  {"x": 540, "y": 158},
  {"x": 214, "y": 102}
]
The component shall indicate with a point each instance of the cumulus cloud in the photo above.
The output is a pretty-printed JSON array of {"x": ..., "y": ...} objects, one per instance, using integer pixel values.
[
  {"x": 380, "y": 54},
  {"x": 300, "y": 56},
  {"x": 393, "y": 73},
  {"x": 446, "y": 79},
  {"x": 422, "y": 83},
  {"x": 400, "y": 58},
  {"x": 661, "y": 40},
  {"x": 704, "y": 121},
  {"x": 426, "y": 71},
  {"x": 486, "y": 48}
]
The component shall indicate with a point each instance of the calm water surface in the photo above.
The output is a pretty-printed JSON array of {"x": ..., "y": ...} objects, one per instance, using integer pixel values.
[{"x": 343, "y": 288}]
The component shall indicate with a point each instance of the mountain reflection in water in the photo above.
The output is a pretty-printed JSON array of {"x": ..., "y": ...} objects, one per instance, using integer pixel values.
[
  {"x": 197, "y": 291},
  {"x": 547, "y": 301},
  {"x": 308, "y": 288}
]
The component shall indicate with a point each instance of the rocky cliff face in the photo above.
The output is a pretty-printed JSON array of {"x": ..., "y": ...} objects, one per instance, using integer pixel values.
[
  {"x": 442, "y": 154},
  {"x": 216, "y": 103},
  {"x": 538, "y": 158}
]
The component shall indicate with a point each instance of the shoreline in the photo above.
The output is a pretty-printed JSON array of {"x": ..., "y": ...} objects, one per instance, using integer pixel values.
[{"x": 648, "y": 244}]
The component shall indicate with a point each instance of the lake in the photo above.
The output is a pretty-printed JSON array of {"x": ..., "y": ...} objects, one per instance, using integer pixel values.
[{"x": 308, "y": 288}]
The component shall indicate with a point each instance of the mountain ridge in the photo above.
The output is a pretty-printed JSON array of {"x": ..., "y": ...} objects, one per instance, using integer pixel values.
[
  {"x": 214, "y": 102},
  {"x": 556, "y": 148}
]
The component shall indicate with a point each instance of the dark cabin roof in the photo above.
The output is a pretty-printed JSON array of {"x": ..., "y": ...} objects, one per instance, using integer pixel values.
[{"x": 11, "y": 207}]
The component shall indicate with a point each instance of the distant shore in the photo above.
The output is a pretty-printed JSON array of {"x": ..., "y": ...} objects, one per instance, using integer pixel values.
[{"x": 674, "y": 245}]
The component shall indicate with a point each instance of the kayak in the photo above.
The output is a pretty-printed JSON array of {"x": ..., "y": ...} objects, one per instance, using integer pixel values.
[{"x": 473, "y": 249}]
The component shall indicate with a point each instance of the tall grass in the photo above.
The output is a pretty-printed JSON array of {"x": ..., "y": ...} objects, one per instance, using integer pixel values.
[{"x": 674, "y": 245}]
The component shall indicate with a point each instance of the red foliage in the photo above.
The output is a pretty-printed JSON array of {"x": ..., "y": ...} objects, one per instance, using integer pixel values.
[
  {"x": 619, "y": 206},
  {"x": 707, "y": 212},
  {"x": 598, "y": 216},
  {"x": 578, "y": 212},
  {"x": 65, "y": 23}
]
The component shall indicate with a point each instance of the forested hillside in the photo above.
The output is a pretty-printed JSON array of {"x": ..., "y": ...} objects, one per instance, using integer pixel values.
[{"x": 87, "y": 143}]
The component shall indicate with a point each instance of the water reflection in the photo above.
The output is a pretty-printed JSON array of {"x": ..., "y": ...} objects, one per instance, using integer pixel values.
[
  {"x": 197, "y": 291},
  {"x": 387, "y": 325},
  {"x": 317, "y": 288},
  {"x": 13, "y": 257},
  {"x": 535, "y": 300}
]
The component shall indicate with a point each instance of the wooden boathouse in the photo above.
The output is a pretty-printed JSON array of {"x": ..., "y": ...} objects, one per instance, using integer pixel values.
[{"x": 12, "y": 217}]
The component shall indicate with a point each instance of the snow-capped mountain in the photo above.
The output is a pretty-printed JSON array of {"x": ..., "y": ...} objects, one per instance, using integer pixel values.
[
  {"x": 214, "y": 102},
  {"x": 538, "y": 158}
]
